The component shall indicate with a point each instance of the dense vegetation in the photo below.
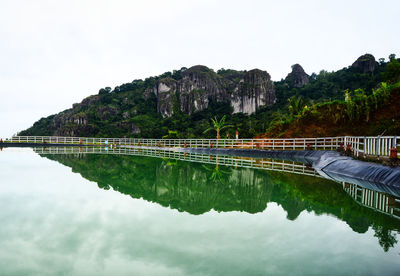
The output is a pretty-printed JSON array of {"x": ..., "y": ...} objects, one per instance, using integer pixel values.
[
  {"x": 348, "y": 97},
  {"x": 361, "y": 113}
]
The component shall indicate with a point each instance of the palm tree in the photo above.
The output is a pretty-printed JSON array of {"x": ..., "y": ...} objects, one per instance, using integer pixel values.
[
  {"x": 296, "y": 105},
  {"x": 218, "y": 126}
]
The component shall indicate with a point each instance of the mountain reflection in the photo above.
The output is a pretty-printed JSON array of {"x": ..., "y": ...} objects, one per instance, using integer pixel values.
[{"x": 205, "y": 184}]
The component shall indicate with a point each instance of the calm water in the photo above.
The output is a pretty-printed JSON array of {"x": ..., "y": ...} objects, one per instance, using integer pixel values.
[{"x": 97, "y": 214}]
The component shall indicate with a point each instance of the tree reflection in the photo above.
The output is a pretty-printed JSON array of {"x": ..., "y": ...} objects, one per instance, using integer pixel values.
[
  {"x": 387, "y": 238},
  {"x": 217, "y": 174}
]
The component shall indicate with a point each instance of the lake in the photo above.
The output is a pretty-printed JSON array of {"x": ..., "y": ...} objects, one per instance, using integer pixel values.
[{"x": 76, "y": 212}]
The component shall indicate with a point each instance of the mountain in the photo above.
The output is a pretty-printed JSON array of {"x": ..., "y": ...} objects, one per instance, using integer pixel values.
[
  {"x": 184, "y": 101},
  {"x": 132, "y": 107}
]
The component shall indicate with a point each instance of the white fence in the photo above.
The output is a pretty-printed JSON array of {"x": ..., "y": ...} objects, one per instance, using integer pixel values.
[
  {"x": 372, "y": 145},
  {"x": 360, "y": 145}
]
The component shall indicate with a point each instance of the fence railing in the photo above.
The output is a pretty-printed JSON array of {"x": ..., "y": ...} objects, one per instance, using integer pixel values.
[
  {"x": 372, "y": 145},
  {"x": 360, "y": 145},
  {"x": 267, "y": 143}
]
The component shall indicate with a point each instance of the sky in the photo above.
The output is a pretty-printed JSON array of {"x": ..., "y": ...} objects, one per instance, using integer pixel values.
[{"x": 55, "y": 53}]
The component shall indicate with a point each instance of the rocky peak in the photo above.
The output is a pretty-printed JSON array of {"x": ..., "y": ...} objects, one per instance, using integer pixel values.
[
  {"x": 197, "y": 69},
  {"x": 365, "y": 64},
  {"x": 198, "y": 86},
  {"x": 298, "y": 77}
]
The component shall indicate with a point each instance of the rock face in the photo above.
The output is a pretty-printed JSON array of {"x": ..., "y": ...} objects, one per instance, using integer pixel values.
[
  {"x": 135, "y": 129},
  {"x": 165, "y": 91},
  {"x": 365, "y": 64},
  {"x": 64, "y": 121},
  {"x": 200, "y": 85},
  {"x": 256, "y": 89},
  {"x": 297, "y": 78}
]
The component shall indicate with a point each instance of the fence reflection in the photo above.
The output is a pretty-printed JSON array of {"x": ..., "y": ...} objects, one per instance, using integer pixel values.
[
  {"x": 378, "y": 201},
  {"x": 235, "y": 161}
]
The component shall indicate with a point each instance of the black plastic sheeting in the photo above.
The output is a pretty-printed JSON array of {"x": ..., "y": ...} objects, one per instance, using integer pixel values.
[{"x": 329, "y": 164}]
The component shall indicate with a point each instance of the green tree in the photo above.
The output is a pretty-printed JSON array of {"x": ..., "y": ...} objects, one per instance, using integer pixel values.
[
  {"x": 104, "y": 91},
  {"x": 172, "y": 134},
  {"x": 218, "y": 126},
  {"x": 350, "y": 105},
  {"x": 392, "y": 73}
]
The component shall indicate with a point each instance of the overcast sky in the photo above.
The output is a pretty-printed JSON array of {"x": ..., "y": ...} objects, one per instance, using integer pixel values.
[{"x": 55, "y": 53}]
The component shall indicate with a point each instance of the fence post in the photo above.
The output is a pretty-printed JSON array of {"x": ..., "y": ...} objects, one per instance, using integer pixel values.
[
  {"x": 370, "y": 146},
  {"x": 366, "y": 145},
  {"x": 378, "y": 146},
  {"x": 384, "y": 146},
  {"x": 358, "y": 146}
]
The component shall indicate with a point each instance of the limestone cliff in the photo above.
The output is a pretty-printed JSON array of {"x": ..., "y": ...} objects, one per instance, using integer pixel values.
[
  {"x": 199, "y": 85},
  {"x": 254, "y": 90}
]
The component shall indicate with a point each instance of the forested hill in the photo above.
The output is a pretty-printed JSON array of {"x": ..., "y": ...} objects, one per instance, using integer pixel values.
[
  {"x": 359, "y": 115},
  {"x": 180, "y": 103}
]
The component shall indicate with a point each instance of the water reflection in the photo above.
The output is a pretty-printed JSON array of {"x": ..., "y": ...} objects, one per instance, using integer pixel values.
[
  {"x": 236, "y": 161},
  {"x": 232, "y": 184},
  {"x": 381, "y": 202}
]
